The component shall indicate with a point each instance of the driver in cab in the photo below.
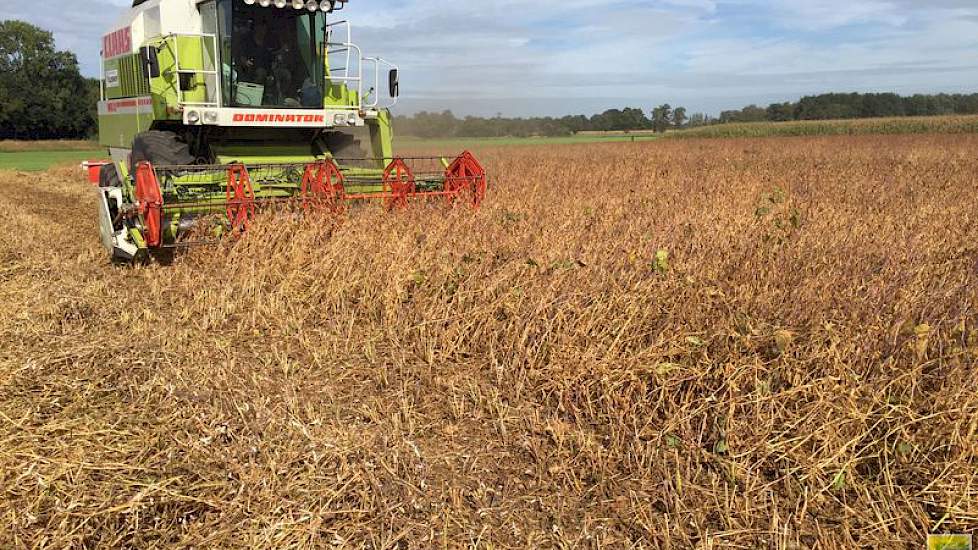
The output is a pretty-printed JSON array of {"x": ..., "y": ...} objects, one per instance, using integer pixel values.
[
  {"x": 255, "y": 52},
  {"x": 268, "y": 63}
]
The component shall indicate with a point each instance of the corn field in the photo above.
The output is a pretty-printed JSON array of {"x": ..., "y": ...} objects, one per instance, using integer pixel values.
[{"x": 671, "y": 344}]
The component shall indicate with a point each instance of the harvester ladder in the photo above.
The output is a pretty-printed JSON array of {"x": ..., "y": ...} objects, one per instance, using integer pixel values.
[
  {"x": 345, "y": 47},
  {"x": 208, "y": 73}
]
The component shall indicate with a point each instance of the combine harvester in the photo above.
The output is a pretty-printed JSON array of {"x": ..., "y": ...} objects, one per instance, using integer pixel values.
[{"x": 213, "y": 109}]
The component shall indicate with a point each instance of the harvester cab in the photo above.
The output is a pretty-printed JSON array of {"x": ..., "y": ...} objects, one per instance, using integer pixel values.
[{"x": 213, "y": 109}]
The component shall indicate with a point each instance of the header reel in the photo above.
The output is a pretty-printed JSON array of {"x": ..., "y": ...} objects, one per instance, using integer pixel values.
[{"x": 167, "y": 207}]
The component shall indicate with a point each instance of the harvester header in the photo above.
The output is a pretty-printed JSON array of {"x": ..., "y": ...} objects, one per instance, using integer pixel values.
[{"x": 211, "y": 109}]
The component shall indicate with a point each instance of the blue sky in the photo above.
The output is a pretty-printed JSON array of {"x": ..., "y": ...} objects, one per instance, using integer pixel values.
[{"x": 556, "y": 57}]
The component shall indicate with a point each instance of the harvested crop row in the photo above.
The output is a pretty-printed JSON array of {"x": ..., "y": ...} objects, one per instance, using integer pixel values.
[{"x": 765, "y": 343}]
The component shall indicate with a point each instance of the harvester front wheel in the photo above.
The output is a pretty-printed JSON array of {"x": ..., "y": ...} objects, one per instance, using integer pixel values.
[
  {"x": 108, "y": 176},
  {"x": 160, "y": 148},
  {"x": 344, "y": 147}
]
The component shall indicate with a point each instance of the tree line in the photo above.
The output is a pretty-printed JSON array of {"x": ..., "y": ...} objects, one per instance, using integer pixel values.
[
  {"x": 445, "y": 124},
  {"x": 42, "y": 93},
  {"x": 854, "y": 105},
  {"x": 831, "y": 106}
]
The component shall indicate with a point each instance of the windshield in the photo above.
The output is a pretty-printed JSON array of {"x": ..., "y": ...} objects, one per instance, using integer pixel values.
[{"x": 271, "y": 57}]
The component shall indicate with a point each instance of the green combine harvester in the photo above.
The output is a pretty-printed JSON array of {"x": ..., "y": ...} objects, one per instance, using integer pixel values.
[{"x": 214, "y": 109}]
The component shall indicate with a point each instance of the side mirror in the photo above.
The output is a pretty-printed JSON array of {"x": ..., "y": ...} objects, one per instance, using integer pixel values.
[
  {"x": 151, "y": 61},
  {"x": 394, "y": 83}
]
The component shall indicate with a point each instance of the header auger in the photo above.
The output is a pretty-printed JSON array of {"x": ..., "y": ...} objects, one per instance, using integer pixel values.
[{"x": 215, "y": 110}]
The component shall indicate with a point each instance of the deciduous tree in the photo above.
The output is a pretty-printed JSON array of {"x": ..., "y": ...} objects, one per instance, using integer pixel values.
[
  {"x": 42, "y": 93},
  {"x": 662, "y": 117},
  {"x": 679, "y": 117}
]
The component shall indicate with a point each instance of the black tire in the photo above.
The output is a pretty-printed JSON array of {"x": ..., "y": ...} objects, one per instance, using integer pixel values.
[
  {"x": 108, "y": 176},
  {"x": 344, "y": 146},
  {"x": 160, "y": 148}
]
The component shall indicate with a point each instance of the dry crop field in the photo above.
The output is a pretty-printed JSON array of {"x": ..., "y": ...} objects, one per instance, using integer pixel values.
[
  {"x": 949, "y": 124},
  {"x": 696, "y": 344}
]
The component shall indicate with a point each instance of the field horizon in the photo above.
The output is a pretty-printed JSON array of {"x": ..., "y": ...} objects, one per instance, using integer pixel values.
[{"x": 43, "y": 154}]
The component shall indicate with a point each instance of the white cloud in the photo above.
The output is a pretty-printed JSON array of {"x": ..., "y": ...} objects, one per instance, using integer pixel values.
[{"x": 829, "y": 14}]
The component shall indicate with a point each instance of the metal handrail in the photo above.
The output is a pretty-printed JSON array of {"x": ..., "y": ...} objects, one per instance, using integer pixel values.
[
  {"x": 348, "y": 47},
  {"x": 358, "y": 79},
  {"x": 378, "y": 61},
  {"x": 349, "y": 40},
  {"x": 216, "y": 73},
  {"x": 101, "y": 75}
]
